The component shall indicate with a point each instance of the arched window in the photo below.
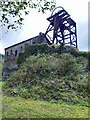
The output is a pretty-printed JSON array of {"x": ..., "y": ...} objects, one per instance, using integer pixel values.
[
  {"x": 33, "y": 42},
  {"x": 21, "y": 49},
  {"x": 15, "y": 53},
  {"x": 7, "y": 54},
  {"x": 11, "y": 53}
]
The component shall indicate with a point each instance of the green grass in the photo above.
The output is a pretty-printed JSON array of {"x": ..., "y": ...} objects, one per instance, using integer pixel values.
[
  {"x": 16, "y": 107},
  {"x": 0, "y": 69}
]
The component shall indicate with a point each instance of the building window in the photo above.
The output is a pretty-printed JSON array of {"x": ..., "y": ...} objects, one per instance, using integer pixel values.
[
  {"x": 15, "y": 53},
  {"x": 21, "y": 49},
  {"x": 7, "y": 54},
  {"x": 11, "y": 53},
  {"x": 33, "y": 42}
]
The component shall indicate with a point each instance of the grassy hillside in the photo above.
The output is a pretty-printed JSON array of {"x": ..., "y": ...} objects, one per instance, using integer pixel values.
[
  {"x": 48, "y": 84},
  {"x": 16, "y": 107},
  {"x": 51, "y": 76}
]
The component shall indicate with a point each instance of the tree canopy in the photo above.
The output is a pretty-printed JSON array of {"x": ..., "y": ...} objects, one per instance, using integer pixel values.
[{"x": 15, "y": 9}]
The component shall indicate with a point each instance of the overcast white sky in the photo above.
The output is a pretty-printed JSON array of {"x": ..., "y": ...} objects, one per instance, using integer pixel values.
[{"x": 36, "y": 23}]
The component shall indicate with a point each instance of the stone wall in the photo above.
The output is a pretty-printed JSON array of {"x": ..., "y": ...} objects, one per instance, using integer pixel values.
[{"x": 9, "y": 66}]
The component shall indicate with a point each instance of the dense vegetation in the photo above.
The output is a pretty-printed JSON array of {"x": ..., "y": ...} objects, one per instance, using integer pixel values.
[
  {"x": 46, "y": 74},
  {"x": 46, "y": 49}
]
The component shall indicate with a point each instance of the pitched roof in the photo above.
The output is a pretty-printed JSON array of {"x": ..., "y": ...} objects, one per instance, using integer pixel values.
[{"x": 21, "y": 42}]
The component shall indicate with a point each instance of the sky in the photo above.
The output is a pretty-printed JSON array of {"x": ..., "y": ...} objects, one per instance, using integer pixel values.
[{"x": 36, "y": 22}]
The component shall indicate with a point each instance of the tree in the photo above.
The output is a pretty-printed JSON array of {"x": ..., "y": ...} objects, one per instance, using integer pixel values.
[{"x": 15, "y": 9}]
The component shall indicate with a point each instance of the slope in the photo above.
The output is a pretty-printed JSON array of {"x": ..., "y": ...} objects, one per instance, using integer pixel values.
[{"x": 45, "y": 74}]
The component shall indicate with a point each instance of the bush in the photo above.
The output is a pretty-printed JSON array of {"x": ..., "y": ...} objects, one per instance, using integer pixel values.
[
  {"x": 74, "y": 51},
  {"x": 47, "y": 49}
]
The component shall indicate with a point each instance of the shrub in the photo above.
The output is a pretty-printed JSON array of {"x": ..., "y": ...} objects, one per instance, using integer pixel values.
[
  {"x": 74, "y": 51},
  {"x": 47, "y": 49}
]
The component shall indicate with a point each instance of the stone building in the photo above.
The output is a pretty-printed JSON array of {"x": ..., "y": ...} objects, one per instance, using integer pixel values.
[{"x": 11, "y": 52}]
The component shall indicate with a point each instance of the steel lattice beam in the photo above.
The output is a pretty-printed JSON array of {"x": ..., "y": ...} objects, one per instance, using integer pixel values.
[{"x": 62, "y": 28}]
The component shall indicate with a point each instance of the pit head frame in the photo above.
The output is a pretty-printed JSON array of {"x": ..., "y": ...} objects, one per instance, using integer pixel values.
[{"x": 62, "y": 29}]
